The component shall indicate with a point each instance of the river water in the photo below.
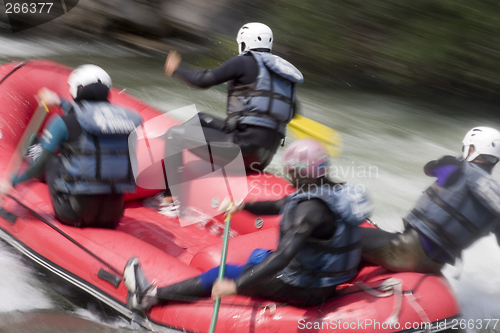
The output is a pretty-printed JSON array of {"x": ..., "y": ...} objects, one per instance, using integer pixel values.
[{"x": 387, "y": 141}]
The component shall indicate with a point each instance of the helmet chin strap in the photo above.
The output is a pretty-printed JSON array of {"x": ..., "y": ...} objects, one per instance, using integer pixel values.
[
  {"x": 485, "y": 166},
  {"x": 490, "y": 159},
  {"x": 242, "y": 47},
  {"x": 484, "y": 161}
]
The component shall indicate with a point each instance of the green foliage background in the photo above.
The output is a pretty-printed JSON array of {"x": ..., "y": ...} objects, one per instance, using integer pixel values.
[{"x": 446, "y": 45}]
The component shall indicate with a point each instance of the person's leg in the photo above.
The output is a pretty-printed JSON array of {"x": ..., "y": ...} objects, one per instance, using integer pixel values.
[
  {"x": 99, "y": 210},
  {"x": 208, "y": 121},
  {"x": 188, "y": 136},
  {"x": 64, "y": 210},
  {"x": 142, "y": 294},
  {"x": 212, "y": 144},
  {"x": 193, "y": 287},
  {"x": 113, "y": 206},
  {"x": 256, "y": 158},
  {"x": 102, "y": 211},
  {"x": 276, "y": 290},
  {"x": 199, "y": 286},
  {"x": 258, "y": 145},
  {"x": 397, "y": 252},
  {"x": 273, "y": 289},
  {"x": 60, "y": 201},
  {"x": 181, "y": 137}
]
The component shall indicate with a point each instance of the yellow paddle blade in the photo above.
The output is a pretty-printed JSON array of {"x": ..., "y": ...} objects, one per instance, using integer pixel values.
[{"x": 302, "y": 127}]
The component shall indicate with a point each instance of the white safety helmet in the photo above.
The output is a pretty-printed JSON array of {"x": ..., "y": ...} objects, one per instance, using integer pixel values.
[
  {"x": 85, "y": 75},
  {"x": 486, "y": 141},
  {"x": 254, "y": 36}
]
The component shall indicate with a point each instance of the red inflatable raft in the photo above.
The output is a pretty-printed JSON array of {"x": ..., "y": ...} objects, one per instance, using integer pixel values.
[{"x": 93, "y": 259}]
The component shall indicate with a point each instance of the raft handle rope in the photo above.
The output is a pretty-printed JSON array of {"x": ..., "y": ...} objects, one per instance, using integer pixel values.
[
  {"x": 389, "y": 287},
  {"x": 373, "y": 223},
  {"x": 271, "y": 307},
  {"x": 412, "y": 300},
  {"x": 12, "y": 71},
  {"x": 44, "y": 220}
]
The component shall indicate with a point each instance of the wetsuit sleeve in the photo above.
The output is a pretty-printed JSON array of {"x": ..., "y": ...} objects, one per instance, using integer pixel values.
[
  {"x": 230, "y": 70},
  {"x": 53, "y": 135},
  {"x": 65, "y": 105},
  {"x": 265, "y": 207},
  {"x": 311, "y": 217},
  {"x": 446, "y": 161},
  {"x": 447, "y": 170}
]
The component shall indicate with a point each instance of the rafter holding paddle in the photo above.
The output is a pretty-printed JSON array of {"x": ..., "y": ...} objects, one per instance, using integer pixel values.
[{"x": 32, "y": 129}]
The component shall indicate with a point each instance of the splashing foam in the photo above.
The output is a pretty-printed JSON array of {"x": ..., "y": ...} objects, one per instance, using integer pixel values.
[
  {"x": 478, "y": 286},
  {"x": 18, "y": 287}
]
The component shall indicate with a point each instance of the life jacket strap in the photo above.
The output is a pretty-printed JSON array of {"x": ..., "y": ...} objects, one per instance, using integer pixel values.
[
  {"x": 436, "y": 229},
  {"x": 334, "y": 250},
  {"x": 452, "y": 211},
  {"x": 97, "y": 157},
  {"x": 73, "y": 179},
  {"x": 241, "y": 114},
  {"x": 72, "y": 152},
  {"x": 262, "y": 93}
]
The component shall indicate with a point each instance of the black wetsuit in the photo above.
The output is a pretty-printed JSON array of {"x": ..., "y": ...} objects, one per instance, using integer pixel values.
[
  {"x": 313, "y": 219},
  {"x": 258, "y": 144}
]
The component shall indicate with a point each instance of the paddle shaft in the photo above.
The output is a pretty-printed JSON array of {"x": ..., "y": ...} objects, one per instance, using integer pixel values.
[
  {"x": 32, "y": 128},
  {"x": 222, "y": 269},
  {"x": 310, "y": 132},
  {"x": 302, "y": 127}
]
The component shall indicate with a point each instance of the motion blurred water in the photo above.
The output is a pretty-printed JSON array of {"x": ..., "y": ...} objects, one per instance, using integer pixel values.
[{"x": 386, "y": 143}]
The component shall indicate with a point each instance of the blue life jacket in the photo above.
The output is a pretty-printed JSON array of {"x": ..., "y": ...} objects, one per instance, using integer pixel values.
[
  {"x": 268, "y": 102},
  {"x": 323, "y": 263},
  {"x": 455, "y": 216},
  {"x": 98, "y": 162}
]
